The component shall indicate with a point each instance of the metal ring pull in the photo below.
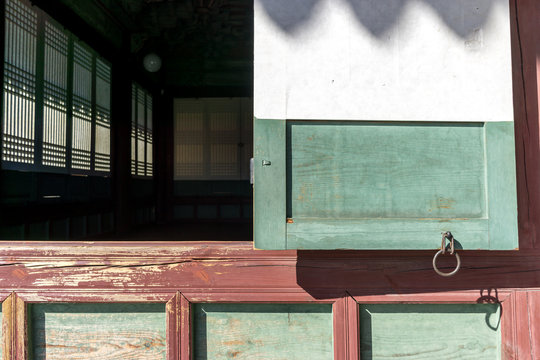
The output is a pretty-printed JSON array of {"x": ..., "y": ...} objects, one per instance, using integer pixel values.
[
  {"x": 447, "y": 235},
  {"x": 442, "y": 273}
]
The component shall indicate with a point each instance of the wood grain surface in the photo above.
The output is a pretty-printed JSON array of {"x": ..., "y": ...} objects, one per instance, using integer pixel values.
[
  {"x": 263, "y": 331},
  {"x": 420, "y": 331},
  {"x": 98, "y": 331},
  {"x": 359, "y": 170}
]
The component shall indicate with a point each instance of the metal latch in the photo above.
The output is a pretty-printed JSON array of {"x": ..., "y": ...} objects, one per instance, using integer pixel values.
[
  {"x": 251, "y": 176},
  {"x": 251, "y": 169}
]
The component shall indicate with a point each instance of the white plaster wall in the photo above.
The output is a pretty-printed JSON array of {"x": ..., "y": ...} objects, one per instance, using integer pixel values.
[{"x": 409, "y": 60}]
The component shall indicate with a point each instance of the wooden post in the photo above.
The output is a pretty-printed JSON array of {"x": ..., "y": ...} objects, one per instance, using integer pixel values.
[
  {"x": 164, "y": 156},
  {"x": 185, "y": 326},
  {"x": 121, "y": 137},
  {"x": 173, "y": 327},
  {"x": 14, "y": 328},
  {"x": 2, "y": 40},
  {"x": 526, "y": 74}
]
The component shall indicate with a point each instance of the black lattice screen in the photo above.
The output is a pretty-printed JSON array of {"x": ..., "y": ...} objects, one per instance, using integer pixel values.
[
  {"x": 103, "y": 116},
  {"x": 141, "y": 132},
  {"x": 57, "y": 97},
  {"x": 19, "y": 83}
]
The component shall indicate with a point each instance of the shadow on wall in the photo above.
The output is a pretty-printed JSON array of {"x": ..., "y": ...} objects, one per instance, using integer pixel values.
[{"x": 378, "y": 16}]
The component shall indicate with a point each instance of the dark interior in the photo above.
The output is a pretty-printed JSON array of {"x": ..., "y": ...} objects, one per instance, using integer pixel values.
[{"x": 206, "y": 48}]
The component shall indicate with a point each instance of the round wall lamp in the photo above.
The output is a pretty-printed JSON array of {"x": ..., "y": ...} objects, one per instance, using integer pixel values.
[{"x": 152, "y": 62}]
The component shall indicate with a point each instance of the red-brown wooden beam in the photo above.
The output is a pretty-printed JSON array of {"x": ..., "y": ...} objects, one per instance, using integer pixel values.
[
  {"x": 525, "y": 54},
  {"x": 154, "y": 266}
]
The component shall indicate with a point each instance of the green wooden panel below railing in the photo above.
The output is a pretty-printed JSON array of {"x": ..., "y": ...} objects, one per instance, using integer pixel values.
[
  {"x": 98, "y": 331},
  {"x": 430, "y": 331},
  {"x": 263, "y": 331}
]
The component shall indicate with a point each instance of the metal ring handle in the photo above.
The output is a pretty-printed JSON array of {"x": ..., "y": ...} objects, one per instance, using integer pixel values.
[{"x": 442, "y": 273}]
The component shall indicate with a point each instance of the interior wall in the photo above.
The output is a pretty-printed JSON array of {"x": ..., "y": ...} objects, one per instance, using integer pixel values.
[{"x": 41, "y": 206}]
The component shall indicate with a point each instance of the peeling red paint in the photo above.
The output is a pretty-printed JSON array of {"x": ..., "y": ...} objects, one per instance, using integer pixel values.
[{"x": 19, "y": 273}]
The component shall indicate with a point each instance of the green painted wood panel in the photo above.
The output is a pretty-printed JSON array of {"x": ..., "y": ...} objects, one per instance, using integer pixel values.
[
  {"x": 373, "y": 234},
  {"x": 269, "y": 188},
  {"x": 98, "y": 331},
  {"x": 386, "y": 185},
  {"x": 360, "y": 170},
  {"x": 263, "y": 331},
  {"x": 430, "y": 331},
  {"x": 501, "y": 184}
]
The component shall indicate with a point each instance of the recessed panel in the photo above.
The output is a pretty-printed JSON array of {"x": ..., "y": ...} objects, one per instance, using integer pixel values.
[
  {"x": 98, "y": 331},
  {"x": 263, "y": 331},
  {"x": 386, "y": 170},
  {"x": 441, "y": 331}
]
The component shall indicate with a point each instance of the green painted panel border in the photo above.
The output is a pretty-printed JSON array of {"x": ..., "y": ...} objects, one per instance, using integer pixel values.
[
  {"x": 380, "y": 234},
  {"x": 501, "y": 186},
  {"x": 269, "y": 193}
]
